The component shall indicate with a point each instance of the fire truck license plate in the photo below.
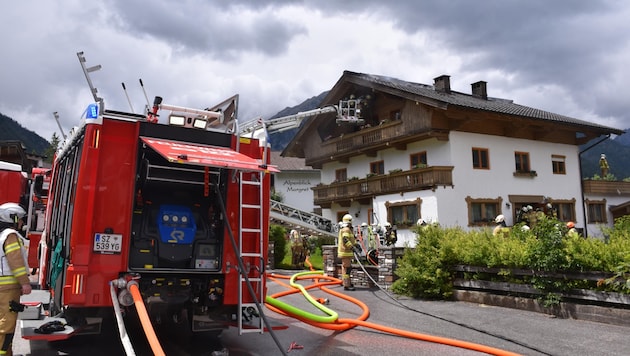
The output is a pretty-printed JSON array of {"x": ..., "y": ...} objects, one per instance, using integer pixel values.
[{"x": 107, "y": 243}]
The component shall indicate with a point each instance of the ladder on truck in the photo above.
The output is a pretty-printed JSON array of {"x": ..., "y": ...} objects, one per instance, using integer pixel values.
[{"x": 251, "y": 230}]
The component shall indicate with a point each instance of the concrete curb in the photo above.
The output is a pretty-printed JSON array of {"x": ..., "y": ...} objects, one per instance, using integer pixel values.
[{"x": 601, "y": 314}]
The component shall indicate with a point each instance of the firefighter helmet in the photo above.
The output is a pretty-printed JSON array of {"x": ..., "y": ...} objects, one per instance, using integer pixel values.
[
  {"x": 570, "y": 225},
  {"x": 11, "y": 213},
  {"x": 499, "y": 219},
  {"x": 347, "y": 219}
]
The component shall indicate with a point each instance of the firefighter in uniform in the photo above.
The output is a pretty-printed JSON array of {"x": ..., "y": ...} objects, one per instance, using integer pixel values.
[
  {"x": 390, "y": 234},
  {"x": 501, "y": 228},
  {"x": 603, "y": 165},
  {"x": 298, "y": 253},
  {"x": 14, "y": 271},
  {"x": 345, "y": 250},
  {"x": 572, "y": 232}
]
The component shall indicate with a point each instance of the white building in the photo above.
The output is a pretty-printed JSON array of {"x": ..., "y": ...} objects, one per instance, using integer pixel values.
[
  {"x": 294, "y": 182},
  {"x": 604, "y": 202},
  {"x": 425, "y": 151}
]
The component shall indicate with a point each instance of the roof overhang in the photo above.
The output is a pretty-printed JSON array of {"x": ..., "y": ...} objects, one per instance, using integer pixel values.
[
  {"x": 620, "y": 210},
  {"x": 204, "y": 155}
]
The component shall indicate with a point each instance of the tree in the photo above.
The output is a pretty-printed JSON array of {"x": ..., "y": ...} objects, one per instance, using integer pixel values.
[{"x": 50, "y": 151}]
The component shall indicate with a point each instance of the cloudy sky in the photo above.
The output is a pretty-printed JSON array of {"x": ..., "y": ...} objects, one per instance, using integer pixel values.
[{"x": 568, "y": 57}]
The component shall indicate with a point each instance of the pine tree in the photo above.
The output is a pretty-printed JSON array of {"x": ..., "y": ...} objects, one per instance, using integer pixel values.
[{"x": 50, "y": 151}]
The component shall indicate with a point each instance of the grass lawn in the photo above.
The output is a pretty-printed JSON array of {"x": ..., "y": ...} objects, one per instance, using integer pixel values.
[{"x": 315, "y": 258}]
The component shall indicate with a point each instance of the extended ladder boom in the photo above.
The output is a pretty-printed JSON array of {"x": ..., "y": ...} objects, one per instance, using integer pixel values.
[
  {"x": 283, "y": 123},
  {"x": 347, "y": 112}
]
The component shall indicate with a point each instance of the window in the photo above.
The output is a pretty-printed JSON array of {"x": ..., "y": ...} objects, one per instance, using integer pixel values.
[
  {"x": 377, "y": 167},
  {"x": 522, "y": 162},
  {"x": 394, "y": 115},
  {"x": 558, "y": 164},
  {"x": 403, "y": 214},
  {"x": 565, "y": 209},
  {"x": 65, "y": 190},
  {"x": 418, "y": 160},
  {"x": 480, "y": 158},
  {"x": 596, "y": 211},
  {"x": 482, "y": 211},
  {"x": 341, "y": 175}
]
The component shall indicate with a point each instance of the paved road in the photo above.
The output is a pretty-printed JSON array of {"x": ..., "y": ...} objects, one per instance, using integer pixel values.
[{"x": 517, "y": 331}]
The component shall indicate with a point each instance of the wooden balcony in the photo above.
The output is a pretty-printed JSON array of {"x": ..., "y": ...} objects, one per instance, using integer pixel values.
[
  {"x": 363, "y": 189},
  {"x": 606, "y": 187},
  {"x": 370, "y": 140}
]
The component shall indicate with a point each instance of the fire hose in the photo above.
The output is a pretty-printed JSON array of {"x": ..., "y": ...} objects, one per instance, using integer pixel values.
[
  {"x": 132, "y": 287},
  {"x": 332, "y": 322}
]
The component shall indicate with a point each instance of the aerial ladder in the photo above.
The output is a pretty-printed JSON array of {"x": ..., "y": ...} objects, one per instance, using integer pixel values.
[
  {"x": 294, "y": 216},
  {"x": 347, "y": 112}
]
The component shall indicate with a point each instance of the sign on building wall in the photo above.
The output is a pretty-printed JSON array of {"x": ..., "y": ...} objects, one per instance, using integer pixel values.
[{"x": 296, "y": 190}]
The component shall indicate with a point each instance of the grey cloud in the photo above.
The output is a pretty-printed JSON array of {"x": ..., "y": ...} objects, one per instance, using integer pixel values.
[
  {"x": 214, "y": 29},
  {"x": 580, "y": 48}
]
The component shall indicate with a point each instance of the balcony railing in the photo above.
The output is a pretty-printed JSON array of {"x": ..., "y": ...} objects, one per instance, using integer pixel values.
[
  {"x": 397, "y": 182},
  {"x": 606, "y": 187}
]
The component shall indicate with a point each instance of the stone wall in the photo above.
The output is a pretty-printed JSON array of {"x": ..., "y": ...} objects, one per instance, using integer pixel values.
[{"x": 383, "y": 274}]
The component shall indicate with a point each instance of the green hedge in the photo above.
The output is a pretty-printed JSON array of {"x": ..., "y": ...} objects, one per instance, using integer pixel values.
[
  {"x": 277, "y": 234},
  {"x": 426, "y": 270}
]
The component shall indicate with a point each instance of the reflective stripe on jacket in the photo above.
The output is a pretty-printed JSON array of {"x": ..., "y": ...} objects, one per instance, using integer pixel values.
[
  {"x": 8, "y": 275},
  {"x": 345, "y": 242}
]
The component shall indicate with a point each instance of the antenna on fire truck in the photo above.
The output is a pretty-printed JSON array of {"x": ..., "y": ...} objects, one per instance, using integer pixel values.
[
  {"x": 56, "y": 115},
  {"x": 128, "y": 100},
  {"x": 145, "y": 94}
]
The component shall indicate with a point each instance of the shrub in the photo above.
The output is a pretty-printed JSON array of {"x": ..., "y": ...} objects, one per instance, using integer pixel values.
[
  {"x": 423, "y": 271},
  {"x": 427, "y": 270},
  {"x": 277, "y": 234}
]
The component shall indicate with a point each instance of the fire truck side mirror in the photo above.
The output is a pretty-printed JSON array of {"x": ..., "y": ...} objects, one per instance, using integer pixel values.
[{"x": 39, "y": 185}]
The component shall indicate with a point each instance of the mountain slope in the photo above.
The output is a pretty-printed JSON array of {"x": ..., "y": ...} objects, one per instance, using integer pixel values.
[
  {"x": 11, "y": 130},
  {"x": 280, "y": 140},
  {"x": 617, "y": 153}
]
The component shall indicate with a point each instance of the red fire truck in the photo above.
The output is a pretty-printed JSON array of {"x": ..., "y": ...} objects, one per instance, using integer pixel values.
[
  {"x": 40, "y": 183},
  {"x": 169, "y": 209},
  {"x": 31, "y": 194},
  {"x": 14, "y": 183}
]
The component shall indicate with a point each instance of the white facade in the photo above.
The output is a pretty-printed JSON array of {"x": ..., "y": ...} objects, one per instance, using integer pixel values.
[
  {"x": 295, "y": 187},
  {"x": 595, "y": 229},
  {"x": 448, "y": 205},
  {"x": 524, "y": 157}
]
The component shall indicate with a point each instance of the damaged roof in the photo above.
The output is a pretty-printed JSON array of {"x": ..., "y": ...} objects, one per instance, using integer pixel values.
[
  {"x": 442, "y": 97},
  {"x": 449, "y": 97}
]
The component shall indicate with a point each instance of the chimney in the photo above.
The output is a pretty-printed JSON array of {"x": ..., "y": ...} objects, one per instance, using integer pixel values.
[
  {"x": 480, "y": 90},
  {"x": 442, "y": 83}
]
